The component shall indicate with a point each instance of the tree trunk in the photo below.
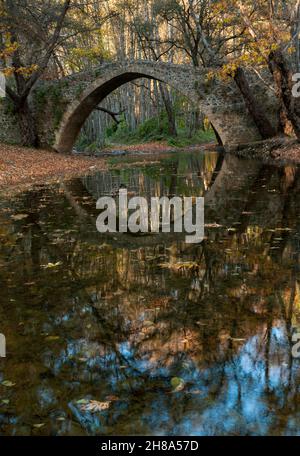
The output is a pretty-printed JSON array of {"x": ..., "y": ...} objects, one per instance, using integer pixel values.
[
  {"x": 28, "y": 130},
  {"x": 284, "y": 89},
  {"x": 255, "y": 109},
  {"x": 169, "y": 110}
]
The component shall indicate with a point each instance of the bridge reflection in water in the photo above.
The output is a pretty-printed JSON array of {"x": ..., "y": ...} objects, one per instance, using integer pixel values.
[{"x": 122, "y": 320}]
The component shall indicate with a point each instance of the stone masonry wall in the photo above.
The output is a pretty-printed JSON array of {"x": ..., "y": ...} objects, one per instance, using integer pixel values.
[
  {"x": 9, "y": 129},
  {"x": 62, "y": 106}
]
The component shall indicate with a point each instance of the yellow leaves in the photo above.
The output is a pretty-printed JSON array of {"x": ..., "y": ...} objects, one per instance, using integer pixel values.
[
  {"x": 9, "y": 71},
  {"x": 9, "y": 50},
  {"x": 90, "y": 53},
  {"x": 27, "y": 71},
  {"x": 228, "y": 70},
  {"x": 210, "y": 75},
  {"x": 179, "y": 267},
  {"x": 52, "y": 338}
]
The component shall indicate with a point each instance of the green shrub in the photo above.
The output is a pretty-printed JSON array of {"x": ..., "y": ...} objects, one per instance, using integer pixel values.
[{"x": 156, "y": 129}]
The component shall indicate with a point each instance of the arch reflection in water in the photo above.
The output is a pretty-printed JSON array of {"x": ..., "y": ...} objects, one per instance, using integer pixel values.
[{"x": 175, "y": 338}]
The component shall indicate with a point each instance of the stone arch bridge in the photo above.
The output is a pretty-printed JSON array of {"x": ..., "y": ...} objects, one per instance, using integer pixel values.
[{"x": 62, "y": 106}]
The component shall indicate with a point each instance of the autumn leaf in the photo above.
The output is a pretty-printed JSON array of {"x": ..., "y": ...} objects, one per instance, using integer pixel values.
[
  {"x": 19, "y": 216},
  {"x": 82, "y": 401},
  {"x": 52, "y": 265},
  {"x": 112, "y": 398},
  {"x": 8, "y": 383},
  {"x": 178, "y": 384},
  {"x": 95, "y": 406},
  {"x": 52, "y": 338}
]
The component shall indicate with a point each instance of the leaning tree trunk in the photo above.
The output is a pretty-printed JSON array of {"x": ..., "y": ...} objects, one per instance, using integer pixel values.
[
  {"x": 29, "y": 135},
  {"x": 282, "y": 75},
  {"x": 169, "y": 110},
  {"x": 254, "y": 107}
]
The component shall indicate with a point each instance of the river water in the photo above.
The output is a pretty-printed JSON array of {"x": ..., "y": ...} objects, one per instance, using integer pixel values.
[{"x": 168, "y": 338}]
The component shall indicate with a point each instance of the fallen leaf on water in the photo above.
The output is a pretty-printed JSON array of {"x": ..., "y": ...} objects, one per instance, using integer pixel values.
[
  {"x": 5, "y": 401},
  {"x": 188, "y": 266},
  {"x": 52, "y": 265},
  {"x": 95, "y": 406},
  {"x": 178, "y": 384},
  {"x": 212, "y": 225},
  {"x": 39, "y": 425},
  {"x": 112, "y": 398},
  {"x": 19, "y": 216},
  {"x": 52, "y": 338},
  {"x": 82, "y": 401},
  {"x": 148, "y": 323},
  {"x": 8, "y": 383}
]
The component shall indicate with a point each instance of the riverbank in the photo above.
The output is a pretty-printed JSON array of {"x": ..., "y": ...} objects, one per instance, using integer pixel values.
[
  {"x": 153, "y": 147},
  {"x": 276, "y": 150},
  {"x": 22, "y": 166},
  {"x": 26, "y": 166}
]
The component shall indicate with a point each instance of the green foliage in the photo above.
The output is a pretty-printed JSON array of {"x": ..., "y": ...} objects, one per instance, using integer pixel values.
[
  {"x": 8, "y": 106},
  {"x": 41, "y": 95},
  {"x": 156, "y": 129},
  {"x": 83, "y": 144},
  {"x": 200, "y": 137}
]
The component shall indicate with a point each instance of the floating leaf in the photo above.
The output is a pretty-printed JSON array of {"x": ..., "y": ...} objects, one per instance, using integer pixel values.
[
  {"x": 95, "y": 406},
  {"x": 52, "y": 338},
  {"x": 178, "y": 384},
  {"x": 39, "y": 425},
  {"x": 82, "y": 401},
  {"x": 19, "y": 216},
  {"x": 8, "y": 383},
  {"x": 5, "y": 401},
  {"x": 52, "y": 265},
  {"x": 148, "y": 323},
  {"x": 112, "y": 398}
]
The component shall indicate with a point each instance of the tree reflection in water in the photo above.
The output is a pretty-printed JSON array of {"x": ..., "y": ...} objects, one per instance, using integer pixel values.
[{"x": 115, "y": 319}]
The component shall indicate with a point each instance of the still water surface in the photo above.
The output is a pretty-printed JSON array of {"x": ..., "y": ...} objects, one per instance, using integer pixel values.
[{"x": 170, "y": 338}]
